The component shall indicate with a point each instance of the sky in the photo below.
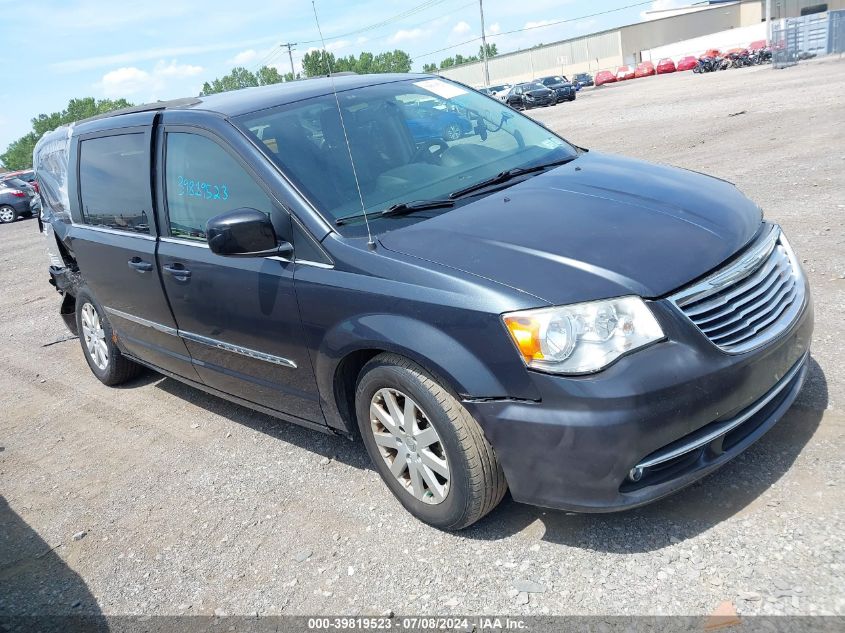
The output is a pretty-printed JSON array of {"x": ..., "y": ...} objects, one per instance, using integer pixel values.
[{"x": 164, "y": 49}]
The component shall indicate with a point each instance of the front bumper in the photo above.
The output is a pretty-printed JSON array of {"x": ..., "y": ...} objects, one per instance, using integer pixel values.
[{"x": 575, "y": 449}]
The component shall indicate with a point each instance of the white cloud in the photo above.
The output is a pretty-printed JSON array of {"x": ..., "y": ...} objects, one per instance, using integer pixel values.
[
  {"x": 495, "y": 28},
  {"x": 403, "y": 35},
  {"x": 538, "y": 24},
  {"x": 131, "y": 80},
  {"x": 123, "y": 82},
  {"x": 461, "y": 27},
  {"x": 361, "y": 40},
  {"x": 244, "y": 57}
]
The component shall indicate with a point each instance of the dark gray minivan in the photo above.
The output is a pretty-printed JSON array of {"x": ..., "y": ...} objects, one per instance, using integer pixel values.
[{"x": 504, "y": 310}]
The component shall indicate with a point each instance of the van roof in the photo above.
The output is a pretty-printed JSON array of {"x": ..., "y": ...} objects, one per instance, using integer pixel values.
[{"x": 237, "y": 102}]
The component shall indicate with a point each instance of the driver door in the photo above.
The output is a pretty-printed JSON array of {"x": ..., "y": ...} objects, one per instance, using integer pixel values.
[{"x": 239, "y": 317}]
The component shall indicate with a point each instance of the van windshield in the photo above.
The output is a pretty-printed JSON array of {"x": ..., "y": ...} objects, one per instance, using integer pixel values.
[{"x": 420, "y": 139}]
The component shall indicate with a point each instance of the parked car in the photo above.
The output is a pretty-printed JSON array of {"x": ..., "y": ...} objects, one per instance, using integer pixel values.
[
  {"x": 27, "y": 175},
  {"x": 583, "y": 79},
  {"x": 687, "y": 63},
  {"x": 665, "y": 65},
  {"x": 485, "y": 316},
  {"x": 644, "y": 69},
  {"x": 432, "y": 119},
  {"x": 623, "y": 73},
  {"x": 500, "y": 90},
  {"x": 562, "y": 87},
  {"x": 530, "y": 95},
  {"x": 757, "y": 45},
  {"x": 605, "y": 77},
  {"x": 14, "y": 203}
]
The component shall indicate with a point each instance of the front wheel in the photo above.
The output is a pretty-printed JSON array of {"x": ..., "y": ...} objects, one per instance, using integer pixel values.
[
  {"x": 104, "y": 358},
  {"x": 425, "y": 445},
  {"x": 8, "y": 214},
  {"x": 452, "y": 132}
]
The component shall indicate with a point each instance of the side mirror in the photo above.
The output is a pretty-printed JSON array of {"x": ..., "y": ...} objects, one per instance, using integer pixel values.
[{"x": 245, "y": 233}]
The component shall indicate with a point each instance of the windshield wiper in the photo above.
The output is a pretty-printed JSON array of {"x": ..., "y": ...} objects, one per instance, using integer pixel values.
[
  {"x": 510, "y": 174},
  {"x": 402, "y": 208}
]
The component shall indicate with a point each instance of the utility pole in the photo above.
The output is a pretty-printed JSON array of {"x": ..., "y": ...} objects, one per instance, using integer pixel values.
[
  {"x": 290, "y": 56},
  {"x": 484, "y": 46}
]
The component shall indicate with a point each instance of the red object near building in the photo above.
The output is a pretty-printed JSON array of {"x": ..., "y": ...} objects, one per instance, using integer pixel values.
[
  {"x": 665, "y": 65},
  {"x": 644, "y": 69},
  {"x": 624, "y": 73},
  {"x": 605, "y": 77},
  {"x": 687, "y": 63}
]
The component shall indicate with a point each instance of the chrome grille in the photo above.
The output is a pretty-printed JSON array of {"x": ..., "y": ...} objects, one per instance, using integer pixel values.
[{"x": 750, "y": 301}]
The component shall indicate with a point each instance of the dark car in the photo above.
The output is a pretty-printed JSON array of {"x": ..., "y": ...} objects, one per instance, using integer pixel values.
[
  {"x": 20, "y": 197},
  {"x": 530, "y": 95},
  {"x": 584, "y": 79},
  {"x": 27, "y": 175},
  {"x": 503, "y": 311},
  {"x": 14, "y": 203},
  {"x": 563, "y": 89},
  {"x": 429, "y": 119}
]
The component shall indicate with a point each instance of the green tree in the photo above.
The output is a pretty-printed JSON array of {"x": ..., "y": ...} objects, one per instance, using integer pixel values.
[
  {"x": 19, "y": 153},
  {"x": 491, "y": 51},
  {"x": 267, "y": 75},
  {"x": 318, "y": 63},
  {"x": 239, "y": 78},
  {"x": 429, "y": 68}
]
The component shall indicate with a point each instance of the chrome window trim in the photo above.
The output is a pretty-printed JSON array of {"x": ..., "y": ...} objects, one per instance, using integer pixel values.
[
  {"x": 211, "y": 342},
  {"x": 103, "y": 229},
  {"x": 728, "y": 425},
  {"x": 179, "y": 240}
]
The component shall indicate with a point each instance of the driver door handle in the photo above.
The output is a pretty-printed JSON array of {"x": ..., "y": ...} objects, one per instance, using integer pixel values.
[
  {"x": 140, "y": 265},
  {"x": 178, "y": 271}
]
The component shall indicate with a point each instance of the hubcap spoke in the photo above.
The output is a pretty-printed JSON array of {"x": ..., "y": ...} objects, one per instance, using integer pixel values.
[
  {"x": 409, "y": 445},
  {"x": 95, "y": 336},
  {"x": 433, "y": 462}
]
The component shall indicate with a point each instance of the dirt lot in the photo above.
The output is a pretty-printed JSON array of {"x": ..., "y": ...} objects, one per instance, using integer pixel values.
[{"x": 189, "y": 504}]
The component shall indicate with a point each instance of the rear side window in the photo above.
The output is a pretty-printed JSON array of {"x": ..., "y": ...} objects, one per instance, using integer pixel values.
[
  {"x": 204, "y": 180},
  {"x": 114, "y": 182}
]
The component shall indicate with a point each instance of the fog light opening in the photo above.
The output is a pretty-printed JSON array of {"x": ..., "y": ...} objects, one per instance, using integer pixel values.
[{"x": 635, "y": 474}]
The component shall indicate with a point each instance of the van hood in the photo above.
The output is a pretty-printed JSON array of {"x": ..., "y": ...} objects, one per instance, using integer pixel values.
[{"x": 600, "y": 226}]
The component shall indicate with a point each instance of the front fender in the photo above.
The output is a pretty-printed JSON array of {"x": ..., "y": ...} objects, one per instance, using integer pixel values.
[{"x": 443, "y": 355}]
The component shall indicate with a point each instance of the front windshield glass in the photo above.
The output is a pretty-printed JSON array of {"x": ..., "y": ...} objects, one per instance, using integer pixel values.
[
  {"x": 534, "y": 87},
  {"x": 414, "y": 140}
]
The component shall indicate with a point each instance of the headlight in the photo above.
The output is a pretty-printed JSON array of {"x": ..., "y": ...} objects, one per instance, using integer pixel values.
[{"x": 582, "y": 337}]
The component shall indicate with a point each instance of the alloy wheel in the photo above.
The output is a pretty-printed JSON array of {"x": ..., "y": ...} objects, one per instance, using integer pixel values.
[
  {"x": 410, "y": 445},
  {"x": 95, "y": 337},
  {"x": 452, "y": 132}
]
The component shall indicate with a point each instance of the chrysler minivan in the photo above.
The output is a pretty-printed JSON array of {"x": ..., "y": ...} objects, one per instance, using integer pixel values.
[{"x": 499, "y": 310}]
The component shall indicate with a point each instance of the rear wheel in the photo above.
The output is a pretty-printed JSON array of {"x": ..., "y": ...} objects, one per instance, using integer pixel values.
[
  {"x": 8, "y": 214},
  {"x": 104, "y": 358},
  {"x": 452, "y": 132},
  {"x": 425, "y": 445}
]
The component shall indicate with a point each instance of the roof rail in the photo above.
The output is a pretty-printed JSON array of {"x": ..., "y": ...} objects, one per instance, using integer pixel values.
[{"x": 146, "y": 107}]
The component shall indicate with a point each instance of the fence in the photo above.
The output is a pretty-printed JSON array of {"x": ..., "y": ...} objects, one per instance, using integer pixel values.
[{"x": 794, "y": 39}]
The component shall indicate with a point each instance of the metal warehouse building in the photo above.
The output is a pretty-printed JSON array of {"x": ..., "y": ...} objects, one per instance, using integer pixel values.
[{"x": 631, "y": 44}]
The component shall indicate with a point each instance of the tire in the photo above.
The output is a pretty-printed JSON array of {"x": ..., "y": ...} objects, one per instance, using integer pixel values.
[
  {"x": 8, "y": 214},
  {"x": 474, "y": 482},
  {"x": 452, "y": 132},
  {"x": 92, "y": 325}
]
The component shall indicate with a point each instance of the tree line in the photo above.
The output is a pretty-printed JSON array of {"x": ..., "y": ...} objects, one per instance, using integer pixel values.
[
  {"x": 459, "y": 59},
  {"x": 19, "y": 153}
]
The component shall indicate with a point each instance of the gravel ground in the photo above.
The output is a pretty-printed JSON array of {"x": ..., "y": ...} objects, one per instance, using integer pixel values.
[{"x": 158, "y": 499}]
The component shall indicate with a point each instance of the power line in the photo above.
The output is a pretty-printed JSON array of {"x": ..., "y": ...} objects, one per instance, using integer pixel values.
[{"x": 538, "y": 26}]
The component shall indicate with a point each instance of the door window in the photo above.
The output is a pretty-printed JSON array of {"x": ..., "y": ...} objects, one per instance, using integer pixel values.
[
  {"x": 203, "y": 180},
  {"x": 114, "y": 182}
]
